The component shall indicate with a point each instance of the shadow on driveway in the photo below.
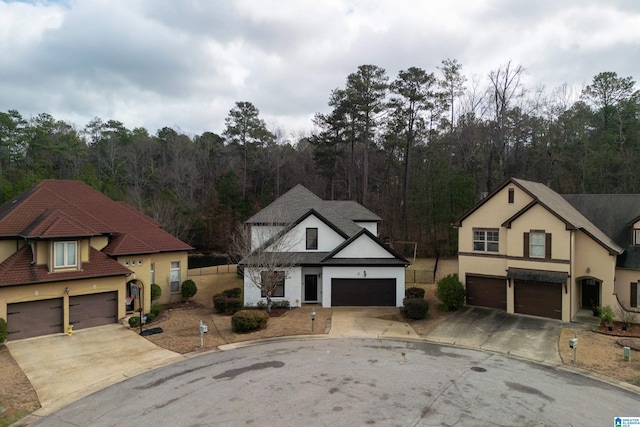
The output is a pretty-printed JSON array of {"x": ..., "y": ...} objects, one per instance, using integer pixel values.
[{"x": 532, "y": 338}]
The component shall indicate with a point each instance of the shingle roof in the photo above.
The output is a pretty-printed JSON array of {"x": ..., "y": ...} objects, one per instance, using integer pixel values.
[
  {"x": 62, "y": 208},
  {"x": 19, "y": 270},
  {"x": 558, "y": 205},
  {"x": 299, "y": 200}
]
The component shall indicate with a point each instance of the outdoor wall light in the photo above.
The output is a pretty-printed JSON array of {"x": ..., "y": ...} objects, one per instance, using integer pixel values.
[
  {"x": 365, "y": 273},
  {"x": 588, "y": 270},
  {"x": 66, "y": 290}
]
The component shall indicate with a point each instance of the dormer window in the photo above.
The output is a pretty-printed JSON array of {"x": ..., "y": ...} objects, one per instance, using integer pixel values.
[
  {"x": 65, "y": 254},
  {"x": 636, "y": 236},
  {"x": 312, "y": 238}
]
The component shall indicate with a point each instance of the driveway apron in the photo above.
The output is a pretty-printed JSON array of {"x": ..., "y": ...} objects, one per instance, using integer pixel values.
[
  {"x": 65, "y": 368},
  {"x": 532, "y": 338},
  {"x": 369, "y": 322}
]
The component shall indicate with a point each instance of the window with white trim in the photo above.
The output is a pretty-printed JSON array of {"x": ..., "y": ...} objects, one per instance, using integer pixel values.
[
  {"x": 65, "y": 254},
  {"x": 486, "y": 240},
  {"x": 175, "y": 277},
  {"x": 636, "y": 236},
  {"x": 537, "y": 244}
]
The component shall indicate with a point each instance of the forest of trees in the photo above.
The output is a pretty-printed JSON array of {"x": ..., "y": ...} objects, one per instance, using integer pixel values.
[{"x": 418, "y": 149}]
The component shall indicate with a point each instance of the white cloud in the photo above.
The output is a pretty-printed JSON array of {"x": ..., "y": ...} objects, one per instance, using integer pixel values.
[{"x": 156, "y": 63}]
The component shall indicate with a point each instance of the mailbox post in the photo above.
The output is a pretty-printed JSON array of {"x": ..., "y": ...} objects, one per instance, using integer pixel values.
[
  {"x": 313, "y": 318},
  {"x": 203, "y": 330},
  {"x": 573, "y": 343}
]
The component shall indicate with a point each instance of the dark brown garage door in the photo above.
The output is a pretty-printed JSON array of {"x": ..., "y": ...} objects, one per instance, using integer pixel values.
[
  {"x": 363, "y": 292},
  {"x": 538, "y": 299},
  {"x": 86, "y": 311},
  {"x": 34, "y": 318},
  {"x": 487, "y": 292}
]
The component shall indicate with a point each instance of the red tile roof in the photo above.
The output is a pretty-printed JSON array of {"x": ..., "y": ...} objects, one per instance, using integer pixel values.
[
  {"x": 60, "y": 208},
  {"x": 18, "y": 269}
]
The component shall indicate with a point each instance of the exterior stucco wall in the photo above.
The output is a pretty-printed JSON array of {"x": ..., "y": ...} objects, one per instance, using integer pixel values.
[
  {"x": 27, "y": 293},
  {"x": 492, "y": 214},
  {"x": 622, "y": 287},
  {"x": 329, "y": 273},
  {"x": 7, "y": 248},
  {"x": 141, "y": 267},
  {"x": 594, "y": 261},
  {"x": 99, "y": 243},
  {"x": 538, "y": 218}
]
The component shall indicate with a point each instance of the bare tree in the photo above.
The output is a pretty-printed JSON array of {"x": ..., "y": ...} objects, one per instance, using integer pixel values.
[{"x": 268, "y": 253}]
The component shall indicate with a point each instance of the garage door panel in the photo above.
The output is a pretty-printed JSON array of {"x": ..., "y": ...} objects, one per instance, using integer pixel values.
[
  {"x": 86, "y": 311},
  {"x": 486, "y": 292},
  {"x": 363, "y": 292},
  {"x": 538, "y": 299},
  {"x": 34, "y": 318}
]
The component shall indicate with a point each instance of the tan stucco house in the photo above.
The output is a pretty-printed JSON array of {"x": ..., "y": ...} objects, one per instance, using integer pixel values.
[
  {"x": 69, "y": 255},
  {"x": 526, "y": 249}
]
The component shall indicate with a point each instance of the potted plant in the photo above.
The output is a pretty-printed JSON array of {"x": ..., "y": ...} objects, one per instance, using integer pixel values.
[
  {"x": 595, "y": 309},
  {"x": 606, "y": 316}
]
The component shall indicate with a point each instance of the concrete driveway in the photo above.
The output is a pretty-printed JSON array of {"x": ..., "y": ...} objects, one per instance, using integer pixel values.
[
  {"x": 369, "y": 322},
  {"x": 64, "y": 368},
  {"x": 532, "y": 338}
]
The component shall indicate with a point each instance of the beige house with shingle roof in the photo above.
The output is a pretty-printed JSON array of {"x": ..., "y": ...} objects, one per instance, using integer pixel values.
[
  {"x": 69, "y": 255},
  {"x": 527, "y": 249}
]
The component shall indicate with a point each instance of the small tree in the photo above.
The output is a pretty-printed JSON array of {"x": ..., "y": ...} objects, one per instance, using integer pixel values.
[
  {"x": 267, "y": 261},
  {"x": 451, "y": 292},
  {"x": 189, "y": 289},
  {"x": 156, "y": 292},
  {"x": 4, "y": 330}
]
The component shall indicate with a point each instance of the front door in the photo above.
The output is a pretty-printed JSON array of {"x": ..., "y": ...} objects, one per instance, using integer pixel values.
[
  {"x": 590, "y": 293},
  {"x": 310, "y": 288}
]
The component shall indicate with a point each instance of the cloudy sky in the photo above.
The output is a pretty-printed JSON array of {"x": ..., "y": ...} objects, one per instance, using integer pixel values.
[{"x": 184, "y": 63}]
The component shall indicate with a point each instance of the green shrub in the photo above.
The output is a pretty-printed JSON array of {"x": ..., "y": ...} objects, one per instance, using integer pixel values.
[
  {"x": 189, "y": 289},
  {"x": 156, "y": 292},
  {"x": 280, "y": 304},
  {"x": 414, "y": 292},
  {"x": 416, "y": 308},
  {"x": 156, "y": 309},
  {"x": 451, "y": 292},
  {"x": 4, "y": 330},
  {"x": 232, "y": 293},
  {"x": 606, "y": 314},
  {"x": 134, "y": 321},
  {"x": 150, "y": 317},
  {"x": 219, "y": 303},
  {"x": 233, "y": 305},
  {"x": 262, "y": 305},
  {"x": 249, "y": 320}
]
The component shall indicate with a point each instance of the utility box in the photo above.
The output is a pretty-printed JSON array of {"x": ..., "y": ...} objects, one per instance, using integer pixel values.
[
  {"x": 573, "y": 342},
  {"x": 627, "y": 354}
]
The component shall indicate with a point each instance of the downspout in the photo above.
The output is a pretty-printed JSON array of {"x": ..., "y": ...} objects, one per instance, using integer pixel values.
[{"x": 571, "y": 262}]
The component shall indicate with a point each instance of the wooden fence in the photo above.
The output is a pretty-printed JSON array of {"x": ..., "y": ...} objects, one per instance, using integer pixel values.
[{"x": 214, "y": 269}]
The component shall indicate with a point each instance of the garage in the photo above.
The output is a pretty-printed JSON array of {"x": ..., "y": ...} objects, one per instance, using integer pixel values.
[
  {"x": 86, "y": 311},
  {"x": 538, "y": 299},
  {"x": 34, "y": 318},
  {"x": 486, "y": 291},
  {"x": 363, "y": 292}
]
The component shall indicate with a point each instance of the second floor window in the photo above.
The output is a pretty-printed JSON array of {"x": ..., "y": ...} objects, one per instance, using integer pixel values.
[
  {"x": 486, "y": 240},
  {"x": 65, "y": 254},
  {"x": 636, "y": 236},
  {"x": 312, "y": 238},
  {"x": 537, "y": 244}
]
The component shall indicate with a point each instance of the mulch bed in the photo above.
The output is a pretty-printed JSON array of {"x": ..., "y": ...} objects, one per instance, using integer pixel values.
[{"x": 631, "y": 334}]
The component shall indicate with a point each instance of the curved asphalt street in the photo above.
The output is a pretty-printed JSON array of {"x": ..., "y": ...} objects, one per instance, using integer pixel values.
[{"x": 352, "y": 382}]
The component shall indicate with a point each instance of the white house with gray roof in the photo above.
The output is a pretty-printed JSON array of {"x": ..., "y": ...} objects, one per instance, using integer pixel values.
[
  {"x": 527, "y": 249},
  {"x": 330, "y": 253}
]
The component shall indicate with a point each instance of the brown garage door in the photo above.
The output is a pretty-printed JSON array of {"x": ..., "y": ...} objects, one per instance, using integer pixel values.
[
  {"x": 363, "y": 292},
  {"x": 487, "y": 292},
  {"x": 34, "y": 318},
  {"x": 538, "y": 299},
  {"x": 86, "y": 311}
]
